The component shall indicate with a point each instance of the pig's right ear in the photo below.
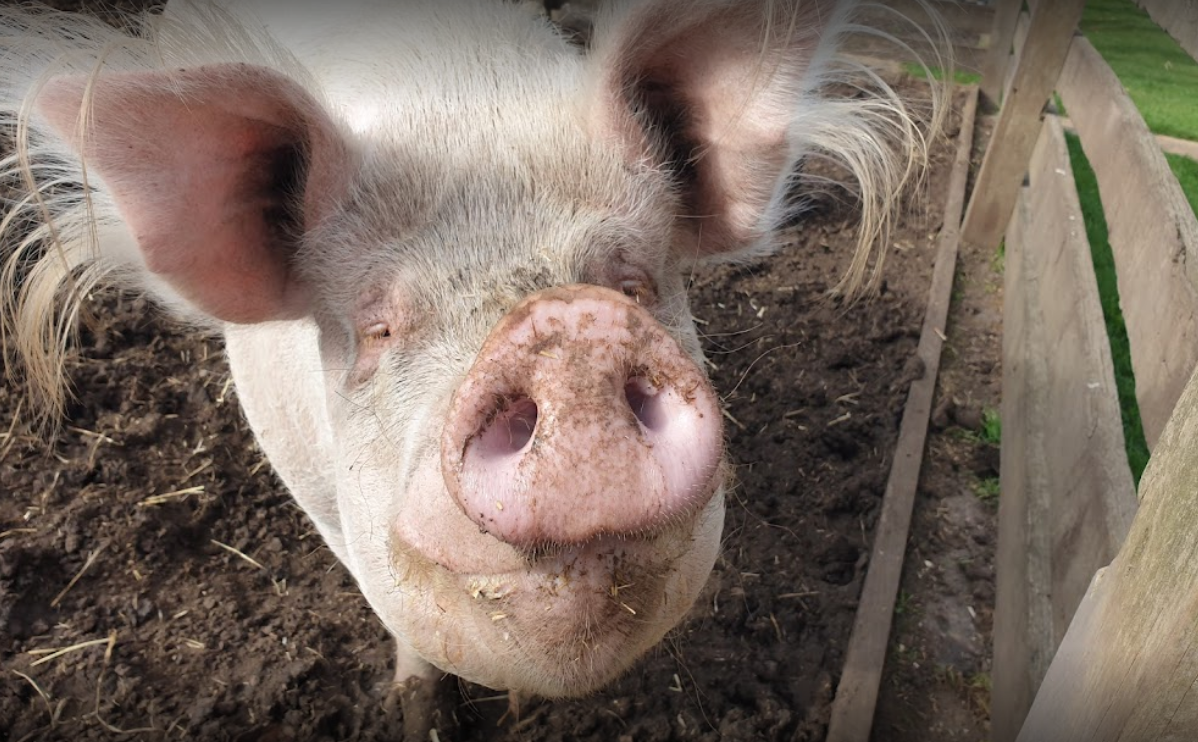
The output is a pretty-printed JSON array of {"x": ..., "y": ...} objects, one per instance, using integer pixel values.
[
  {"x": 712, "y": 91},
  {"x": 216, "y": 171}
]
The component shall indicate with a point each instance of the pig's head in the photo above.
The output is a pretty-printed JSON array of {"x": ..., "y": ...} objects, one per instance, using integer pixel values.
[{"x": 491, "y": 245}]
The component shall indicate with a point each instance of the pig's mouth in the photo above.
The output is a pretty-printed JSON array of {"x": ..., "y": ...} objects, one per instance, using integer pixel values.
[
  {"x": 580, "y": 616},
  {"x": 608, "y": 577},
  {"x": 570, "y": 619}
]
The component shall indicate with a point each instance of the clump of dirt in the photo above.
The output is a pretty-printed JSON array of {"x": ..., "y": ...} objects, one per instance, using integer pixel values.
[{"x": 156, "y": 579}]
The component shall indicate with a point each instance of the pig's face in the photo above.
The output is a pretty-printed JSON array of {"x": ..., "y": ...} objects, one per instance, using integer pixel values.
[{"x": 546, "y": 461}]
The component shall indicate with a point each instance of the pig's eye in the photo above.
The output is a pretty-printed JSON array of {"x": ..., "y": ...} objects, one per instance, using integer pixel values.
[
  {"x": 373, "y": 341},
  {"x": 377, "y": 331},
  {"x": 638, "y": 290}
]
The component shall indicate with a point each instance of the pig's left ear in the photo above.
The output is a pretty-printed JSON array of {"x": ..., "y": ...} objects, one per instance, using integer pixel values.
[
  {"x": 215, "y": 170},
  {"x": 713, "y": 90}
]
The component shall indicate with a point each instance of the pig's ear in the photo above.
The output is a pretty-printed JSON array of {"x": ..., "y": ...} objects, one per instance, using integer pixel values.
[
  {"x": 709, "y": 89},
  {"x": 726, "y": 95},
  {"x": 216, "y": 170}
]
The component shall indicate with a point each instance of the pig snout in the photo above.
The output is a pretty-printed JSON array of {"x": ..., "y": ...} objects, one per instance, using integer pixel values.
[{"x": 581, "y": 417}]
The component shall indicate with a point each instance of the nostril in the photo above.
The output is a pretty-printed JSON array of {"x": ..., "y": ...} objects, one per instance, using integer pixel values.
[
  {"x": 645, "y": 400},
  {"x": 581, "y": 418},
  {"x": 509, "y": 429}
]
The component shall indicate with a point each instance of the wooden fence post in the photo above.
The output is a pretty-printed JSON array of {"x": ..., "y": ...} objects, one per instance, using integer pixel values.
[
  {"x": 1021, "y": 27},
  {"x": 1127, "y": 668},
  {"x": 1018, "y": 127},
  {"x": 998, "y": 56}
]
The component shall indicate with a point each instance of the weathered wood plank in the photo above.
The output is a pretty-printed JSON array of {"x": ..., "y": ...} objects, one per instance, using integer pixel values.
[
  {"x": 1018, "y": 125},
  {"x": 998, "y": 57},
  {"x": 1023, "y": 606},
  {"x": 1127, "y": 668},
  {"x": 1092, "y": 497},
  {"x": 1153, "y": 233},
  {"x": 1022, "y": 26},
  {"x": 1067, "y": 493},
  {"x": 857, "y": 692},
  {"x": 1179, "y": 18},
  {"x": 1169, "y": 145}
]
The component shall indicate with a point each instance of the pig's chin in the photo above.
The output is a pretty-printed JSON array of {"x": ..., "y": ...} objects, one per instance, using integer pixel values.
[{"x": 562, "y": 623}]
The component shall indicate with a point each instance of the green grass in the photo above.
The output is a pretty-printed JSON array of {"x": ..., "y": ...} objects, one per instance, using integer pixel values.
[
  {"x": 1108, "y": 291},
  {"x": 991, "y": 431},
  {"x": 1159, "y": 75},
  {"x": 961, "y": 77},
  {"x": 1186, "y": 171},
  {"x": 988, "y": 490}
]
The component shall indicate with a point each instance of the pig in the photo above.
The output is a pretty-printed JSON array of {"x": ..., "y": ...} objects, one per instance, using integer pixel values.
[{"x": 447, "y": 252}]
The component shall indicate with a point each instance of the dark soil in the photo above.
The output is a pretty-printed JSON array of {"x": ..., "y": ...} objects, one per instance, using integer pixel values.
[
  {"x": 150, "y": 538},
  {"x": 936, "y": 683}
]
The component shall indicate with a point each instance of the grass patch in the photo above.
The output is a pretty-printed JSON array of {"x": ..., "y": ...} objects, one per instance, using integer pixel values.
[
  {"x": 1186, "y": 171},
  {"x": 1156, "y": 71},
  {"x": 975, "y": 687},
  {"x": 981, "y": 687},
  {"x": 1158, "y": 76},
  {"x": 961, "y": 77},
  {"x": 991, "y": 431},
  {"x": 1108, "y": 292},
  {"x": 988, "y": 490}
]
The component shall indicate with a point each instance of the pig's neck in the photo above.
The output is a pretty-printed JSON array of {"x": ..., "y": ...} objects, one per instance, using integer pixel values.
[{"x": 277, "y": 371}]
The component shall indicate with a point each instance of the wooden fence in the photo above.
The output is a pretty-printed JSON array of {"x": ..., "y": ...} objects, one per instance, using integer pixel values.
[
  {"x": 1178, "y": 17},
  {"x": 1080, "y": 658}
]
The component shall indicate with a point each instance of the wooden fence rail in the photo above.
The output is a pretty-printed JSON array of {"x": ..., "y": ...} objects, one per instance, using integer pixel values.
[
  {"x": 1153, "y": 232},
  {"x": 1179, "y": 18},
  {"x": 998, "y": 56},
  {"x": 1016, "y": 131},
  {"x": 1128, "y": 665},
  {"x": 1067, "y": 493},
  {"x": 1067, "y": 499}
]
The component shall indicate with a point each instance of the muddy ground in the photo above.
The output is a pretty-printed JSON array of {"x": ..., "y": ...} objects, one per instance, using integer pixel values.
[{"x": 150, "y": 536}]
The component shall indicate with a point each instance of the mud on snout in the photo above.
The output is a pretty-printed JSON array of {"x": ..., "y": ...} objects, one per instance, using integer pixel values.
[{"x": 584, "y": 454}]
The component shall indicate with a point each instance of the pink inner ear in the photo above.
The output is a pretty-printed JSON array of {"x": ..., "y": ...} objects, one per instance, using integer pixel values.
[
  {"x": 726, "y": 74},
  {"x": 215, "y": 170},
  {"x": 738, "y": 114}
]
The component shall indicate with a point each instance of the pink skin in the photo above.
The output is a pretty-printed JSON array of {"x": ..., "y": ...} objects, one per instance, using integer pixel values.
[
  {"x": 610, "y": 491},
  {"x": 542, "y": 519},
  {"x": 581, "y": 370}
]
